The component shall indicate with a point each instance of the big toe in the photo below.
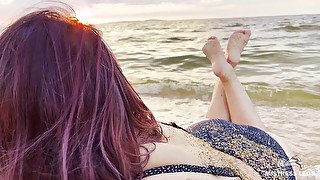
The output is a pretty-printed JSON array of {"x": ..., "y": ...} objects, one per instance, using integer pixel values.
[
  {"x": 239, "y": 39},
  {"x": 246, "y": 32},
  {"x": 241, "y": 35},
  {"x": 212, "y": 47}
]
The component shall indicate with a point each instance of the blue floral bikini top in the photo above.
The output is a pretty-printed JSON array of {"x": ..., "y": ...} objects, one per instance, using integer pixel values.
[{"x": 251, "y": 145}]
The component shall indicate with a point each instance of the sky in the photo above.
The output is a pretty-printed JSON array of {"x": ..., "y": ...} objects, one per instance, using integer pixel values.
[{"x": 101, "y": 11}]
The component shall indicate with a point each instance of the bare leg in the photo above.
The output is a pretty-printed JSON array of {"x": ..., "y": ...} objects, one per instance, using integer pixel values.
[
  {"x": 219, "y": 108},
  {"x": 241, "y": 108}
]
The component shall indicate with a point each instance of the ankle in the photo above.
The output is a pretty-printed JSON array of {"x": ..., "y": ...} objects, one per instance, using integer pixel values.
[
  {"x": 227, "y": 76},
  {"x": 232, "y": 62}
]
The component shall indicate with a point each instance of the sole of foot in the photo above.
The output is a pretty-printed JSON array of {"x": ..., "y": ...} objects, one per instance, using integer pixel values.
[
  {"x": 237, "y": 41},
  {"x": 212, "y": 49}
]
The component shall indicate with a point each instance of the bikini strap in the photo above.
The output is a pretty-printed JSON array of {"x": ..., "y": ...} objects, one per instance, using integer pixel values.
[
  {"x": 173, "y": 124},
  {"x": 175, "y": 168}
]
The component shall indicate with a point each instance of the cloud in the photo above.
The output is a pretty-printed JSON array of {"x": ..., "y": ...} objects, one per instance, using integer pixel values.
[
  {"x": 100, "y": 11},
  {"x": 138, "y": 2},
  {"x": 131, "y": 10},
  {"x": 177, "y": 9},
  {"x": 5, "y": 2}
]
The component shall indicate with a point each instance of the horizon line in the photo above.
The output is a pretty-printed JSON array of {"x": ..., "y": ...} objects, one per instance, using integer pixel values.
[{"x": 124, "y": 21}]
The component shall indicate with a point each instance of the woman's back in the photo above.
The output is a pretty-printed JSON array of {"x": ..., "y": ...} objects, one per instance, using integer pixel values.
[
  {"x": 221, "y": 149},
  {"x": 191, "y": 157}
]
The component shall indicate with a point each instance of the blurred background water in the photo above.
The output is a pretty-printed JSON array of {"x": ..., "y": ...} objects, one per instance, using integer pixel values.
[{"x": 280, "y": 69}]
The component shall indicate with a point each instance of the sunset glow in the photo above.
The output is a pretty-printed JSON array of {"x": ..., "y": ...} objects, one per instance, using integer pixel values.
[
  {"x": 96, "y": 11},
  {"x": 84, "y": 15}
]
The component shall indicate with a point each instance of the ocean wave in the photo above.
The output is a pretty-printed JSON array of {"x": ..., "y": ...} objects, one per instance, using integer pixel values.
[
  {"x": 303, "y": 27},
  {"x": 260, "y": 54},
  {"x": 198, "y": 30},
  {"x": 186, "y": 61},
  {"x": 234, "y": 25},
  {"x": 132, "y": 39},
  {"x": 177, "y": 39},
  {"x": 173, "y": 89},
  {"x": 258, "y": 92}
]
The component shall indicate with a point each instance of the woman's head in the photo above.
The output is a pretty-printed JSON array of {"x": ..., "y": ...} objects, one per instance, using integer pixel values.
[{"x": 66, "y": 108}]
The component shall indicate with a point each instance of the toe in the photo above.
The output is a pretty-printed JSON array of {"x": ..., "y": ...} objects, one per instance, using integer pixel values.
[
  {"x": 243, "y": 32},
  {"x": 237, "y": 33},
  {"x": 212, "y": 38},
  {"x": 247, "y": 32}
]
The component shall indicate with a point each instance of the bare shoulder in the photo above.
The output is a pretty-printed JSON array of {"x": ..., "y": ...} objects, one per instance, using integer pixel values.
[{"x": 174, "y": 150}]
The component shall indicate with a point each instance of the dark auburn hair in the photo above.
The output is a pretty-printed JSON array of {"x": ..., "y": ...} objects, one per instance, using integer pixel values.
[{"x": 66, "y": 109}]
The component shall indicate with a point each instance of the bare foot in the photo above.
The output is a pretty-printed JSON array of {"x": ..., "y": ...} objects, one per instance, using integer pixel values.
[
  {"x": 237, "y": 41},
  {"x": 212, "y": 49}
]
